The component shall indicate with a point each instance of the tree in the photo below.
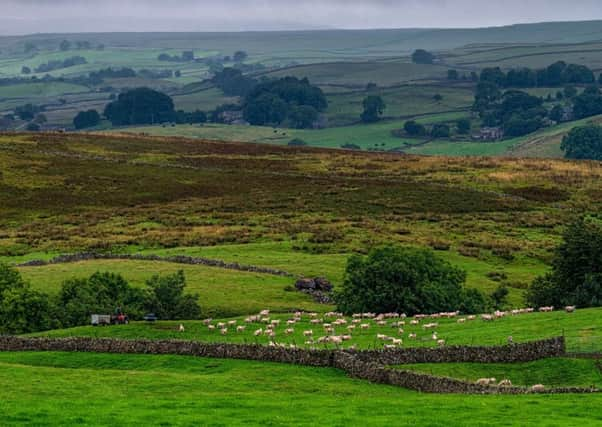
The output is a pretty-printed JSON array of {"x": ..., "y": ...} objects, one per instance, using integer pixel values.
[
  {"x": 421, "y": 56},
  {"x": 440, "y": 130},
  {"x": 25, "y": 70},
  {"x": 583, "y": 142},
  {"x": 267, "y": 109},
  {"x": 556, "y": 113},
  {"x": 570, "y": 91},
  {"x": 65, "y": 45},
  {"x": 400, "y": 279},
  {"x": 140, "y": 106},
  {"x": 463, "y": 126},
  {"x": 233, "y": 83},
  {"x": 297, "y": 143},
  {"x": 438, "y": 97},
  {"x": 22, "y": 309},
  {"x": 303, "y": 116},
  {"x": 240, "y": 56},
  {"x": 101, "y": 293},
  {"x": 33, "y": 127},
  {"x": 452, "y": 74},
  {"x": 493, "y": 75},
  {"x": 414, "y": 128},
  {"x": 165, "y": 297},
  {"x": 86, "y": 119},
  {"x": 374, "y": 107},
  {"x": 178, "y": 73},
  {"x": 576, "y": 276}
]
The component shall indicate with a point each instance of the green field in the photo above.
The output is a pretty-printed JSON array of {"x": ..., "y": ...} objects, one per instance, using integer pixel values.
[
  {"x": 223, "y": 292},
  {"x": 583, "y": 331},
  {"x": 101, "y": 389},
  {"x": 549, "y": 372}
]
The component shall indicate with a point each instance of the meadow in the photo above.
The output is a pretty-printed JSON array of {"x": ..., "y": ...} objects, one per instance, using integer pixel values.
[{"x": 101, "y": 389}]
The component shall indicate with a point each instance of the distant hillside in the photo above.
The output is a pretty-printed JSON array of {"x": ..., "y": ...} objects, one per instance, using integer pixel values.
[{"x": 337, "y": 43}]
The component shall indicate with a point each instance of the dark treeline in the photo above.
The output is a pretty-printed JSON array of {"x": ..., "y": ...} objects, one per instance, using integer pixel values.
[
  {"x": 58, "y": 64},
  {"x": 556, "y": 75}
]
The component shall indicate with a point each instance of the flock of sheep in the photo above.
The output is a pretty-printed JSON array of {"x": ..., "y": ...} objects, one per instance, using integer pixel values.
[
  {"x": 326, "y": 327},
  {"x": 334, "y": 328}
]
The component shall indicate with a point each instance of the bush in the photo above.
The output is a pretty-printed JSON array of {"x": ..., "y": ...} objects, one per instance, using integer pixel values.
[
  {"x": 402, "y": 279},
  {"x": 413, "y": 128},
  {"x": 140, "y": 106},
  {"x": 463, "y": 126}
]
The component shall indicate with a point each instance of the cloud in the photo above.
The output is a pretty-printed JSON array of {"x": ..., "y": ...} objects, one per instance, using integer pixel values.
[{"x": 25, "y": 16}]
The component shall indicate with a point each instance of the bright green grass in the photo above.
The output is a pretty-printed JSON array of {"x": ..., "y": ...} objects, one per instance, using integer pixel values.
[
  {"x": 583, "y": 331},
  {"x": 223, "y": 292},
  {"x": 559, "y": 372},
  {"x": 281, "y": 255},
  {"x": 132, "y": 390}
]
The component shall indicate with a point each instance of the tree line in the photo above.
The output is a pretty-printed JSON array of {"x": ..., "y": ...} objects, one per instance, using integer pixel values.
[{"x": 24, "y": 309}]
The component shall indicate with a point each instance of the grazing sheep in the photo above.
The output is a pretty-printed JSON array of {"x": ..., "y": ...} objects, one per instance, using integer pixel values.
[
  {"x": 397, "y": 341},
  {"x": 221, "y": 325},
  {"x": 258, "y": 332},
  {"x": 389, "y": 347},
  {"x": 211, "y": 327},
  {"x": 232, "y": 323},
  {"x": 308, "y": 333},
  {"x": 289, "y": 331},
  {"x": 224, "y": 331},
  {"x": 486, "y": 381},
  {"x": 461, "y": 320},
  {"x": 240, "y": 328},
  {"x": 414, "y": 322},
  {"x": 381, "y": 337},
  {"x": 510, "y": 339},
  {"x": 505, "y": 383},
  {"x": 546, "y": 309},
  {"x": 412, "y": 336},
  {"x": 264, "y": 313},
  {"x": 181, "y": 328},
  {"x": 538, "y": 388},
  {"x": 351, "y": 328},
  {"x": 487, "y": 317},
  {"x": 346, "y": 337},
  {"x": 471, "y": 317},
  {"x": 364, "y": 326},
  {"x": 434, "y": 336},
  {"x": 440, "y": 343},
  {"x": 207, "y": 321},
  {"x": 570, "y": 308},
  {"x": 400, "y": 331}
]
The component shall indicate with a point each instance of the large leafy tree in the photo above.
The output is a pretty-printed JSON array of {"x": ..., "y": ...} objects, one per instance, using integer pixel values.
[
  {"x": 165, "y": 297},
  {"x": 22, "y": 309},
  {"x": 583, "y": 142},
  {"x": 576, "y": 276},
  {"x": 140, "y": 106},
  {"x": 402, "y": 279},
  {"x": 374, "y": 107}
]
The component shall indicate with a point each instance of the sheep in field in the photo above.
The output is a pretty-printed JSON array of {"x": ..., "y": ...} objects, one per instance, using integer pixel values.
[
  {"x": 570, "y": 308},
  {"x": 412, "y": 336},
  {"x": 211, "y": 327},
  {"x": 486, "y": 381},
  {"x": 308, "y": 333},
  {"x": 289, "y": 331},
  {"x": 240, "y": 328},
  {"x": 505, "y": 383},
  {"x": 538, "y": 388},
  {"x": 258, "y": 332},
  {"x": 441, "y": 343},
  {"x": 181, "y": 328}
]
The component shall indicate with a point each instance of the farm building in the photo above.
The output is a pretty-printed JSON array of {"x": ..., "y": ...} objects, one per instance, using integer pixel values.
[{"x": 489, "y": 134}]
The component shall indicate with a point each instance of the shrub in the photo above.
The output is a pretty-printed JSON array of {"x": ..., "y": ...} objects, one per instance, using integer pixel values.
[
  {"x": 414, "y": 128},
  {"x": 165, "y": 297},
  {"x": 402, "y": 279},
  {"x": 297, "y": 143},
  {"x": 86, "y": 119}
]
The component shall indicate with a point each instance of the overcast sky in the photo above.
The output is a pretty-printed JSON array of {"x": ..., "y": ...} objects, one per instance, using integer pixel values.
[{"x": 30, "y": 16}]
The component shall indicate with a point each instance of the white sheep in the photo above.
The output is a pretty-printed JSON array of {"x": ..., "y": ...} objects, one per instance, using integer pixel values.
[
  {"x": 441, "y": 343},
  {"x": 538, "y": 388},
  {"x": 258, "y": 332},
  {"x": 308, "y": 333},
  {"x": 224, "y": 331},
  {"x": 181, "y": 328},
  {"x": 505, "y": 383},
  {"x": 570, "y": 308}
]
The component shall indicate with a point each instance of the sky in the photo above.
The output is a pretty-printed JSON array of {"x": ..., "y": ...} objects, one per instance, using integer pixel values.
[{"x": 51, "y": 16}]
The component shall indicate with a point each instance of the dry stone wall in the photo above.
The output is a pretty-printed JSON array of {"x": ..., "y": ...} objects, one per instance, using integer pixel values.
[{"x": 366, "y": 365}]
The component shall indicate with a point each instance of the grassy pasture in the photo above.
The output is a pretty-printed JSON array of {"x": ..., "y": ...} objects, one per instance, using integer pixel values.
[
  {"x": 549, "y": 372},
  {"x": 101, "y": 389},
  {"x": 223, "y": 292},
  {"x": 583, "y": 331}
]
